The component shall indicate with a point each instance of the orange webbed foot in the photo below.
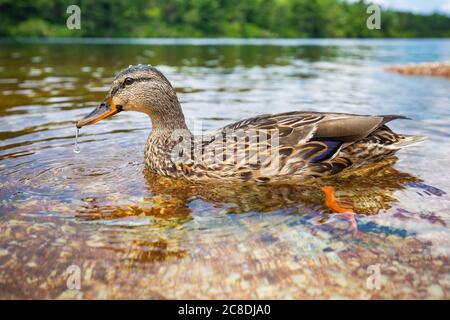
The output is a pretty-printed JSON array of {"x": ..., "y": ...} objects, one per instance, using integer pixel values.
[{"x": 332, "y": 203}]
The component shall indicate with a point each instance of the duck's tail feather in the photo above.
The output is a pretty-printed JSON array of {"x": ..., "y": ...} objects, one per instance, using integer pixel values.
[
  {"x": 407, "y": 141},
  {"x": 390, "y": 117}
]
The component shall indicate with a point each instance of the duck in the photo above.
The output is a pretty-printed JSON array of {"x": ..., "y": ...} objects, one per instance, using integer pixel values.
[{"x": 268, "y": 148}]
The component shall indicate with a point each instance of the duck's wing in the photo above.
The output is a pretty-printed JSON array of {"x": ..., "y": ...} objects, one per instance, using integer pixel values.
[
  {"x": 292, "y": 128},
  {"x": 285, "y": 123},
  {"x": 303, "y": 137},
  {"x": 306, "y": 126},
  {"x": 349, "y": 128}
]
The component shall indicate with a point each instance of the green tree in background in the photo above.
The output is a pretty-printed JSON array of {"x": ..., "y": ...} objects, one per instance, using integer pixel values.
[{"x": 213, "y": 18}]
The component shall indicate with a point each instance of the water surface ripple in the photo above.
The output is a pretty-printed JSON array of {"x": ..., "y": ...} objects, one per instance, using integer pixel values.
[{"x": 136, "y": 235}]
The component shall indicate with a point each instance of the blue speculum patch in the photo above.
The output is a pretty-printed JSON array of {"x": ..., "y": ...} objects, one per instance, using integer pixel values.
[{"x": 332, "y": 147}]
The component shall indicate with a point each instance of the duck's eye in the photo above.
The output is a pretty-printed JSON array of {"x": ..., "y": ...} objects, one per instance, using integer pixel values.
[{"x": 128, "y": 81}]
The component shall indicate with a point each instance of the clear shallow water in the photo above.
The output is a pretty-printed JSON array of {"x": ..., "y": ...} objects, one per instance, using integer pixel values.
[{"x": 135, "y": 235}]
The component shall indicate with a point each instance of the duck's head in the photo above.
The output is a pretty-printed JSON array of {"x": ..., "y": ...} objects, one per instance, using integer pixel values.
[{"x": 139, "y": 88}]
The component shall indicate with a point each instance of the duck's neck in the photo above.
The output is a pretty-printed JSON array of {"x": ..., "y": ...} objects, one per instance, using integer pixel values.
[
  {"x": 168, "y": 123},
  {"x": 164, "y": 137}
]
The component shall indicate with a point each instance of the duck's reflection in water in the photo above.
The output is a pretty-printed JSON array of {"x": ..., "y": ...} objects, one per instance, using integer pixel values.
[{"x": 369, "y": 191}]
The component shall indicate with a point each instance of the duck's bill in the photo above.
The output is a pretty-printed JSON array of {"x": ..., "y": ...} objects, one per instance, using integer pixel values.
[{"x": 103, "y": 111}]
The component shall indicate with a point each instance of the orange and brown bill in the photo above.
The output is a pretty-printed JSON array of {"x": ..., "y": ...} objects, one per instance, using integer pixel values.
[{"x": 103, "y": 111}]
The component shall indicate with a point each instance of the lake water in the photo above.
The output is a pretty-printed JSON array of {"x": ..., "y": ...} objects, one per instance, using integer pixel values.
[{"x": 132, "y": 234}]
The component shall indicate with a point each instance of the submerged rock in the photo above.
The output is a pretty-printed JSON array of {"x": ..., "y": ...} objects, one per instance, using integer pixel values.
[{"x": 440, "y": 69}]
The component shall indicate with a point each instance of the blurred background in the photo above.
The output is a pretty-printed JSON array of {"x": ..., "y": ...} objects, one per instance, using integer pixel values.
[{"x": 225, "y": 18}]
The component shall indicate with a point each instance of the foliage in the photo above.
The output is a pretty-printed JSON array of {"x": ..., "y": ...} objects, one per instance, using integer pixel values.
[{"x": 213, "y": 18}]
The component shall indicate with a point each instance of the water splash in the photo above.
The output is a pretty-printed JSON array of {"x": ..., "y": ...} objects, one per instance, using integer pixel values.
[{"x": 76, "y": 147}]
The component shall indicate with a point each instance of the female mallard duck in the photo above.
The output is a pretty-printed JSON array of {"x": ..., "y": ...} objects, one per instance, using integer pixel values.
[{"x": 271, "y": 147}]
